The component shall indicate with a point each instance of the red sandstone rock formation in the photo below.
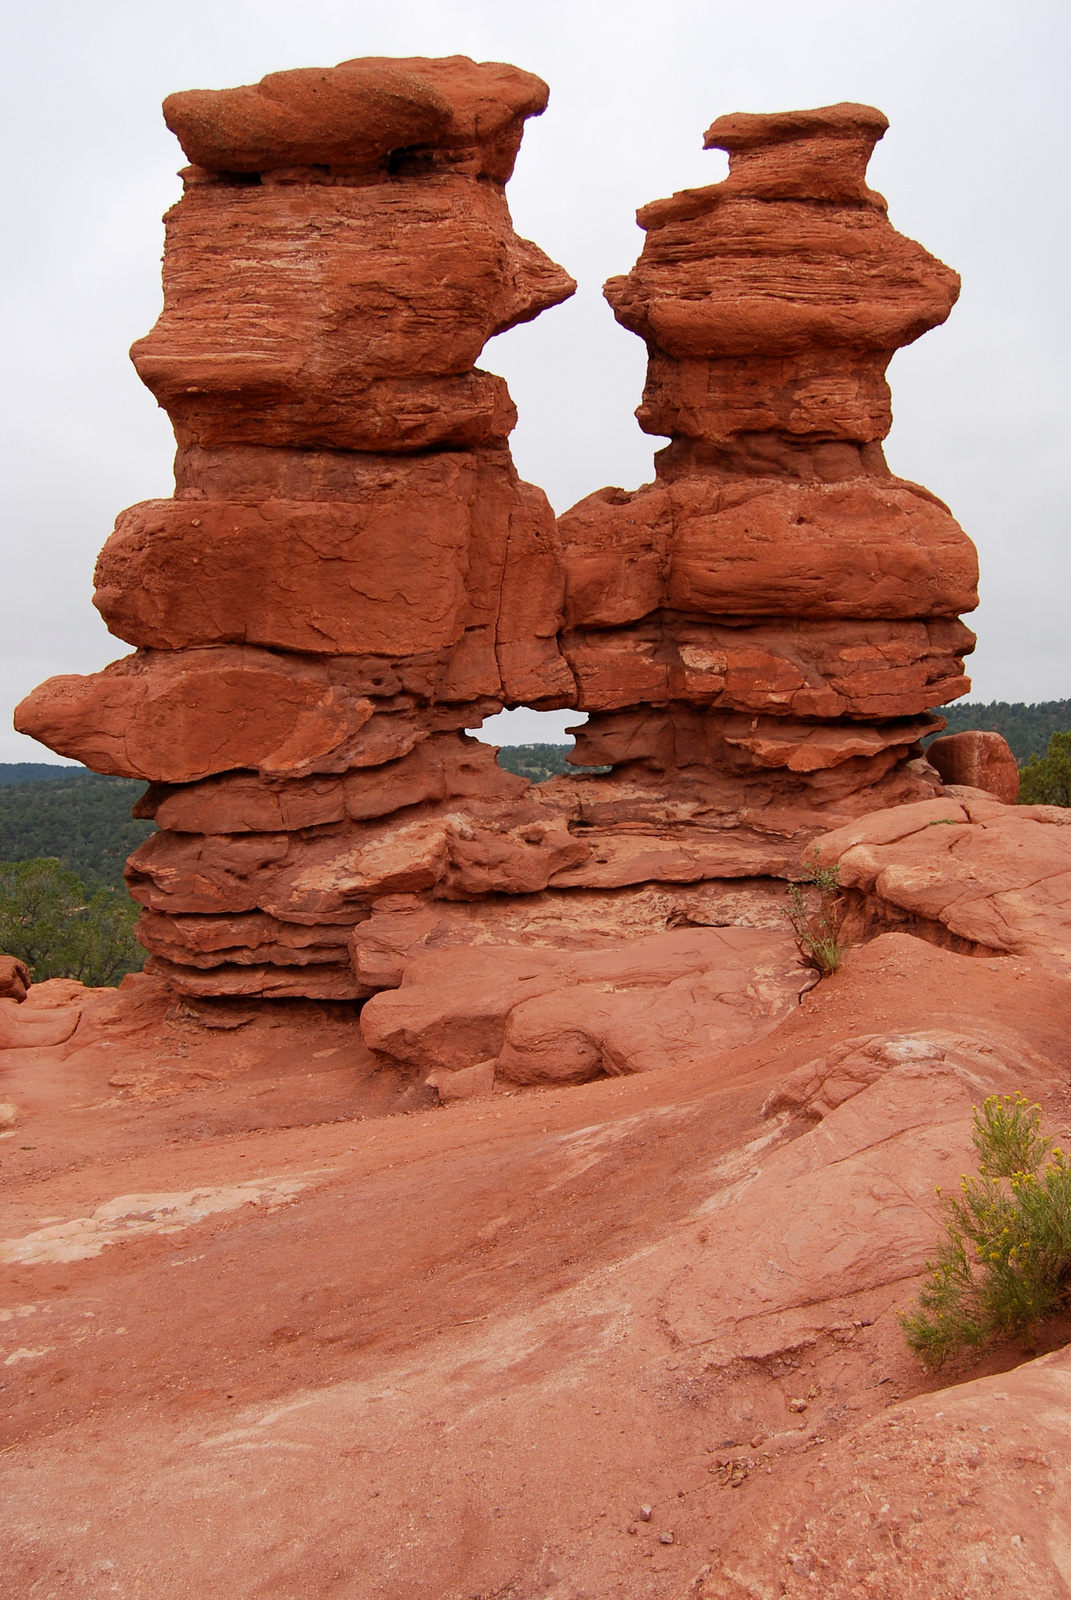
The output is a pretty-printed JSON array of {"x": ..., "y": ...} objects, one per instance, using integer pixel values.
[
  {"x": 773, "y": 618},
  {"x": 978, "y": 760},
  {"x": 14, "y": 978},
  {"x": 350, "y": 572}
]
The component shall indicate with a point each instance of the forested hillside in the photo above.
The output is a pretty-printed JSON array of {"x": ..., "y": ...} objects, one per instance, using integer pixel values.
[
  {"x": 535, "y": 761},
  {"x": 32, "y": 771},
  {"x": 1027, "y": 728},
  {"x": 538, "y": 762},
  {"x": 81, "y": 818}
]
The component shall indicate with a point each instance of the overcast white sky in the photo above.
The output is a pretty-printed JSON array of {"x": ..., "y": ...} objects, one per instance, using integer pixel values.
[{"x": 974, "y": 166}]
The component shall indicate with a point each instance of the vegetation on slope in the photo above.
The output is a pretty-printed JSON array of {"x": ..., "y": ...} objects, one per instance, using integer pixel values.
[
  {"x": 1046, "y": 780},
  {"x": 79, "y": 818},
  {"x": 1027, "y": 728},
  {"x": 538, "y": 762},
  {"x": 1004, "y": 1263},
  {"x": 48, "y": 920}
]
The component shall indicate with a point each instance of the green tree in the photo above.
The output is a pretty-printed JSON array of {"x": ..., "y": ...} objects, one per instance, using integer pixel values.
[
  {"x": 49, "y": 921},
  {"x": 1046, "y": 780}
]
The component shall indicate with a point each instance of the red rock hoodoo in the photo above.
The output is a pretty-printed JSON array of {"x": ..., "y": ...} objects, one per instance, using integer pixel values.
[
  {"x": 350, "y": 573},
  {"x": 768, "y": 625}
]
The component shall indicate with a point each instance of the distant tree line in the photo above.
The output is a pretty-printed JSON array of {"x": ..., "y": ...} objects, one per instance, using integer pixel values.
[
  {"x": 538, "y": 762},
  {"x": 78, "y": 817},
  {"x": 1027, "y": 728}
]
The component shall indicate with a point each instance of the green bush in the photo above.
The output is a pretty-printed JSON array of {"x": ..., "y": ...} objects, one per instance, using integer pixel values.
[
  {"x": 48, "y": 920},
  {"x": 1046, "y": 780},
  {"x": 814, "y": 910},
  {"x": 1004, "y": 1264}
]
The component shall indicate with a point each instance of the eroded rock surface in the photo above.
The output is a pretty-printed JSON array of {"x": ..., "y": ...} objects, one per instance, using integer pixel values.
[
  {"x": 775, "y": 574},
  {"x": 978, "y": 760},
  {"x": 996, "y": 877},
  {"x": 635, "y": 1335},
  {"x": 350, "y": 574}
]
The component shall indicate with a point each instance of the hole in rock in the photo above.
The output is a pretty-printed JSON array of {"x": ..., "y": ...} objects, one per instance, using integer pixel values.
[{"x": 533, "y": 744}]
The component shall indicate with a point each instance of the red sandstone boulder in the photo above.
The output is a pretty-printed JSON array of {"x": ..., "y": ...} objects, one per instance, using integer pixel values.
[
  {"x": 175, "y": 717},
  {"x": 45, "y": 1014},
  {"x": 14, "y": 978},
  {"x": 351, "y": 117},
  {"x": 797, "y": 201},
  {"x": 681, "y": 735},
  {"x": 809, "y": 668},
  {"x": 402, "y": 927},
  {"x": 357, "y": 115},
  {"x": 489, "y": 102},
  {"x": 374, "y": 350},
  {"x": 443, "y": 766},
  {"x": 995, "y": 876},
  {"x": 425, "y": 555},
  {"x": 547, "y": 1016},
  {"x": 979, "y": 760}
]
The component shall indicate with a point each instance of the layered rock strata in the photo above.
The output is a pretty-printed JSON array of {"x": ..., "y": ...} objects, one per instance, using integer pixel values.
[
  {"x": 772, "y": 620},
  {"x": 350, "y": 572}
]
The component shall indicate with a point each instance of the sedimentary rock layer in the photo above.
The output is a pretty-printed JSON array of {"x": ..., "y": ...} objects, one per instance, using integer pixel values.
[
  {"x": 350, "y": 573},
  {"x": 350, "y": 568},
  {"x": 775, "y": 614}
]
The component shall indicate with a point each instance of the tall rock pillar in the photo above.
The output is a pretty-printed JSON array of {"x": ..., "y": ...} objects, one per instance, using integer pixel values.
[
  {"x": 761, "y": 634},
  {"x": 350, "y": 572}
]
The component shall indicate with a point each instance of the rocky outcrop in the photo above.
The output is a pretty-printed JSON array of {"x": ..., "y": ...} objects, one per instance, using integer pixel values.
[
  {"x": 966, "y": 868},
  {"x": 350, "y": 572},
  {"x": 551, "y": 1016},
  {"x": 979, "y": 761},
  {"x": 775, "y": 599},
  {"x": 635, "y": 1337},
  {"x": 956, "y": 1493},
  {"x": 14, "y": 978}
]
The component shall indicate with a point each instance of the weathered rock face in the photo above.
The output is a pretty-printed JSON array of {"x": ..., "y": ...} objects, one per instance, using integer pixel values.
[
  {"x": 775, "y": 574},
  {"x": 350, "y": 574},
  {"x": 14, "y": 978},
  {"x": 980, "y": 760}
]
